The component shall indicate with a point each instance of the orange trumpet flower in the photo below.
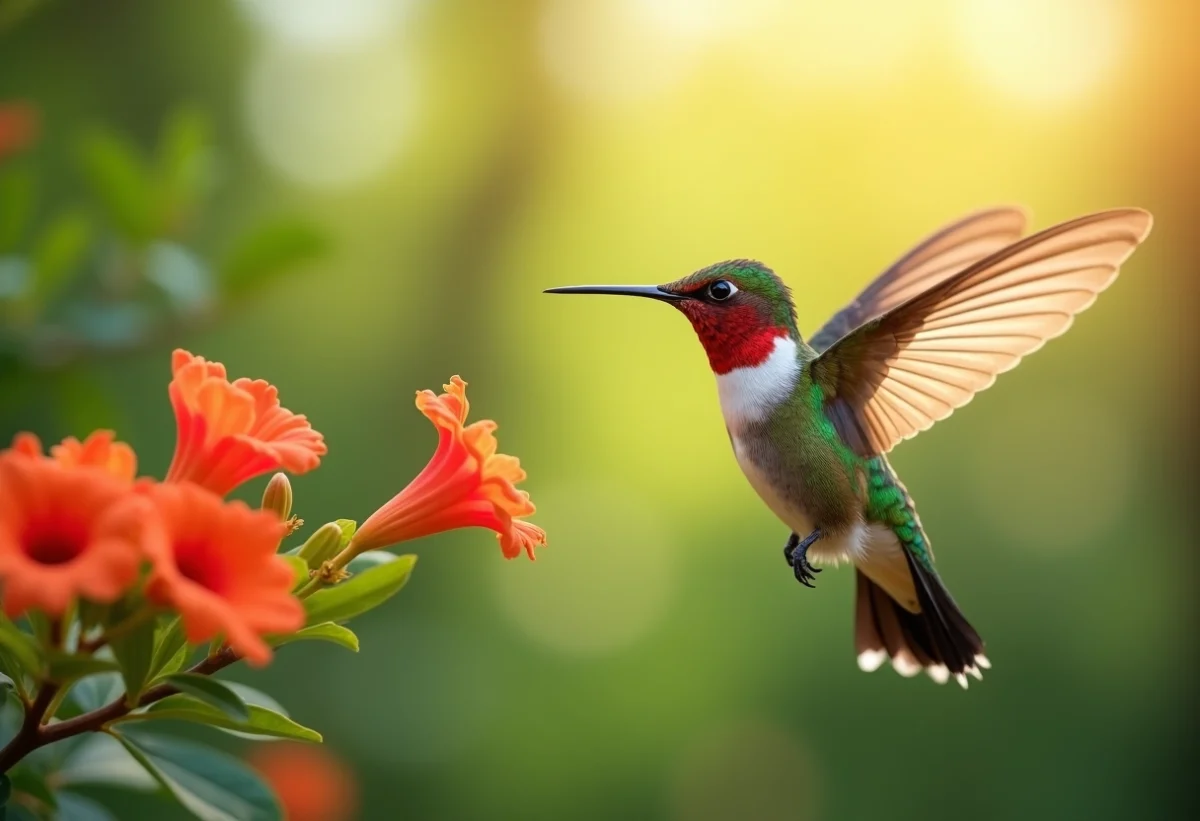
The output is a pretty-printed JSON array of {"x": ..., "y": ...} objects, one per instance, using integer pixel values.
[
  {"x": 66, "y": 532},
  {"x": 100, "y": 449},
  {"x": 216, "y": 565},
  {"x": 466, "y": 484},
  {"x": 229, "y": 432}
]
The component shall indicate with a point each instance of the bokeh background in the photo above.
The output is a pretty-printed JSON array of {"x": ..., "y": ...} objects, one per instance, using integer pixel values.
[{"x": 359, "y": 198}]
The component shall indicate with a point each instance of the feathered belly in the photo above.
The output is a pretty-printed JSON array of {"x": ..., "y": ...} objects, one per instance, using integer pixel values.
[{"x": 848, "y": 544}]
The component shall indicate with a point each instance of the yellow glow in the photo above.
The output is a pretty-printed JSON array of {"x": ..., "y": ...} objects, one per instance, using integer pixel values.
[
  {"x": 326, "y": 22},
  {"x": 836, "y": 44},
  {"x": 1044, "y": 51},
  {"x": 607, "y": 52},
  {"x": 330, "y": 118},
  {"x": 604, "y": 581}
]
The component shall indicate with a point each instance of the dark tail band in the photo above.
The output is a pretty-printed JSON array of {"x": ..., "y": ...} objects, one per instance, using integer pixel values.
[{"x": 938, "y": 640}]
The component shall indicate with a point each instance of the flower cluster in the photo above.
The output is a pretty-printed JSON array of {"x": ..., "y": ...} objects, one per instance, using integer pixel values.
[
  {"x": 105, "y": 570},
  {"x": 76, "y": 524}
]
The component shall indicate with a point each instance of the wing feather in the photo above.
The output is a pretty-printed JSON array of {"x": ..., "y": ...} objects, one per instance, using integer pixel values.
[
  {"x": 940, "y": 255},
  {"x": 914, "y": 364}
]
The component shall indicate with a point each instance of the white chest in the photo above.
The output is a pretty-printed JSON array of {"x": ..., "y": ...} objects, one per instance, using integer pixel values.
[{"x": 750, "y": 394}]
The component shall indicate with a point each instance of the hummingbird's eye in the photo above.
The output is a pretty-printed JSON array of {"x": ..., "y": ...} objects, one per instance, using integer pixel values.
[{"x": 721, "y": 290}]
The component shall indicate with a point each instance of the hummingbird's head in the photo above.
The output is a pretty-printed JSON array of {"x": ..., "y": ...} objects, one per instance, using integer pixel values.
[{"x": 738, "y": 309}]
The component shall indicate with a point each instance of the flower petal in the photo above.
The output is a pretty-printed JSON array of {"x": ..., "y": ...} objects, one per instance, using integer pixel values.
[{"x": 229, "y": 432}]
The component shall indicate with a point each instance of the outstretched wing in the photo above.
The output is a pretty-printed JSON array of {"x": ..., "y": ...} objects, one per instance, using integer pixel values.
[
  {"x": 950, "y": 250},
  {"x": 901, "y": 372}
]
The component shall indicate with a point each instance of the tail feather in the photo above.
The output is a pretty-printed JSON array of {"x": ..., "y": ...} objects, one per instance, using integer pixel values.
[{"x": 938, "y": 639}]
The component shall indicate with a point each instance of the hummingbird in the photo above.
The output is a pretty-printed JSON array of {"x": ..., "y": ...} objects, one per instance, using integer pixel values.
[{"x": 811, "y": 422}]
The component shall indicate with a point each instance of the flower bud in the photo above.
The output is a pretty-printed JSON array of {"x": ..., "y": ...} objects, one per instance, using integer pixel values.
[
  {"x": 321, "y": 545},
  {"x": 278, "y": 497}
]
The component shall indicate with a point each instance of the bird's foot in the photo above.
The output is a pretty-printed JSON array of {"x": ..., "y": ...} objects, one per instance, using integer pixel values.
[{"x": 796, "y": 553}]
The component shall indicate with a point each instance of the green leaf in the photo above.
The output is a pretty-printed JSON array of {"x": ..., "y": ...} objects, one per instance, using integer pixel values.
[
  {"x": 269, "y": 250},
  {"x": 257, "y": 698},
  {"x": 99, "y": 759},
  {"x": 261, "y": 721},
  {"x": 19, "y": 812},
  {"x": 299, "y": 569},
  {"x": 372, "y": 558},
  {"x": 212, "y": 692},
  {"x": 57, "y": 253},
  {"x": 326, "y": 631},
  {"x": 75, "y": 807},
  {"x": 16, "y": 206},
  {"x": 39, "y": 625},
  {"x": 183, "y": 164},
  {"x": 20, "y": 648},
  {"x": 134, "y": 651},
  {"x": 92, "y": 615},
  {"x": 211, "y": 785},
  {"x": 121, "y": 182},
  {"x": 361, "y": 592},
  {"x": 170, "y": 648},
  {"x": 27, "y": 780},
  {"x": 94, "y": 692},
  {"x": 65, "y": 667}
]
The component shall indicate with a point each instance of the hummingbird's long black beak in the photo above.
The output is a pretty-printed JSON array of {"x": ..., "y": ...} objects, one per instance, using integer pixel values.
[{"x": 650, "y": 291}]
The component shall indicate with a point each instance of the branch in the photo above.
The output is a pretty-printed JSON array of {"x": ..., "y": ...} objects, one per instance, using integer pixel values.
[
  {"x": 28, "y": 738},
  {"x": 33, "y": 735}
]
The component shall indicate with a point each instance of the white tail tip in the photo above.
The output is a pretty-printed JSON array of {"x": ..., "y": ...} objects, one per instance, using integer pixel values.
[{"x": 870, "y": 660}]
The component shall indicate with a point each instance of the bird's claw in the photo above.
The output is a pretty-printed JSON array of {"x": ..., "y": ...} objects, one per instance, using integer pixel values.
[
  {"x": 804, "y": 571},
  {"x": 796, "y": 553}
]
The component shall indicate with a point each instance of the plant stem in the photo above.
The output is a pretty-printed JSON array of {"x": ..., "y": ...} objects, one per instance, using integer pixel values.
[
  {"x": 330, "y": 573},
  {"x": 33, "y": 735},
  {"x": 27, "y": 737}
]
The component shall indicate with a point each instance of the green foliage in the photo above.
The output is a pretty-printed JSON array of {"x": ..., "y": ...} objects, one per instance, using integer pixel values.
[
  {"x": 66, "y": 667},
  {"x": 326, "y": 631},
  {"x": 57, "y": 253},
  {"x": 362, "y": 592},
  {"x": 75, "y": 807},
  {"x": 170, "y": 648},
  {"x": 259, "y": 721},
  {"x": 211, "y": 691},
  {"x": 263, "y": 253},
  {"x": 20, "y": 652},
  {"x": 121, "y": 269},
  {"x": 95, "y": 691},
  {"x": 134, "y": 652},
  {"x": 16, "y": 206},
  {"x": 120, "y": 181},
  {"x": 299, "y": 569},
  {"x": 213, "y": 786}
]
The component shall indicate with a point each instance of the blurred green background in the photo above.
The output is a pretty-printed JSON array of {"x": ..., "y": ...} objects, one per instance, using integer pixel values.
[{"x": 383, "y": 187}]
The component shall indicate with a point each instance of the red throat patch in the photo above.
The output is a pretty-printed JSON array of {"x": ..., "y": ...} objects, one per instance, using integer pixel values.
[{"x": 732, "y": 338}]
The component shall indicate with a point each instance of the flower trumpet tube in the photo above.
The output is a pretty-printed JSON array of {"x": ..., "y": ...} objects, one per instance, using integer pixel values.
[
  {"x": 229, "y": 432},
  {"x": 466, "y": 484}
]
